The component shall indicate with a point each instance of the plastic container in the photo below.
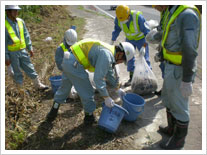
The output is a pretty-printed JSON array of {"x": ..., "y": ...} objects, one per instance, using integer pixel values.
[
  {"x": 134, "y": 104},
  {"x": 73, "y": 27},
  {"x": 55, "y": 82},
  {"x": 111, "y": 118}
]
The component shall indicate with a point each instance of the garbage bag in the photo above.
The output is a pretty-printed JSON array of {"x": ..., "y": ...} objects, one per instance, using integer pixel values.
[
  {"x": 143, "y": 81},
  {"x": 151, "y": 24},
  {"x": 91, "y": 75},
  {"x": 73, "y": 93}
]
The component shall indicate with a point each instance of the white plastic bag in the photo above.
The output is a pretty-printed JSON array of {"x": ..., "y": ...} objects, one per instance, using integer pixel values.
[
  {"x": 73, "y": 93},
  {"x": 48, "y": 39},
  {"x": 91, "y": 75},
  {"x": 151, "y": 24},
  {"x": 143, "y": 81}
]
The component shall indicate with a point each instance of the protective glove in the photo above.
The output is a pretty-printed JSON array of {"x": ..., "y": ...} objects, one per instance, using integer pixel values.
[
  {"x": 121, "y": 92},
  {"x": 109, "y": 102},
  {"x": 142, "y": 51},
  {"x": 10, "y": 70},
  {"x": 112, "y": 42},
  {"x": 157, "y": 57},
  {"x": 150, "y": 37},
  {"x": 186, "y": 89}
]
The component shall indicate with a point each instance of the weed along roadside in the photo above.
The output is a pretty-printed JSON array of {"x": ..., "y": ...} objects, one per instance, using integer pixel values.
[
  {"x": 26, "y": 127},
  {"x": 24, "y": 114}
]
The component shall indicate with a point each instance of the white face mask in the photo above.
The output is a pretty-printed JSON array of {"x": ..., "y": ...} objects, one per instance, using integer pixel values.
[{"x": 124, "y": 22}]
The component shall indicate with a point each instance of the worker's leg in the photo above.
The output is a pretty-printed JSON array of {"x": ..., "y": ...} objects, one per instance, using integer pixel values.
[
  {"x": 177, "y": 105},
  {"x": 80, "y": 79},
  {"x": 63, "y": 91},
  {"x": 146, "y": 56},
  {"x": 130, "y": 66},
  {"x": 29, "y": 69},
  {"x": 60, "y": 97},
  {"x": 27, "y": 65},
  {"x": 15, "y": 63}
]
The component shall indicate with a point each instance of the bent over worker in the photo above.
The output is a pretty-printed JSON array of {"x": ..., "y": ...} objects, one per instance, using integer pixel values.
[
  {"x": 131, "y": 22},
  {"x": 94, "y": 56},
  {"x": 17, "y": 40},
  {"x": 179, "y": 43}
]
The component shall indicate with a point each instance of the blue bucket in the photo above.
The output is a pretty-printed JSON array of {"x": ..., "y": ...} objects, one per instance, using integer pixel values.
[
  {"x": 55, "y": 82},
  {"x": 134, "y": 104},
  {"x": 111, "y": 118}
]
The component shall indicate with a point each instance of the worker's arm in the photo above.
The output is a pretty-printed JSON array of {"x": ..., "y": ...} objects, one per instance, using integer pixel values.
[
  {"x": 27, "y": 38},
  {"x": 59, "y": 54},
  {"x": 142, "y": 27},
  {"x": 112, "y": 78},
  {"x": 189, "y": 33},
  {"x": 116, "y": 31},
  {"x": 103, "y": 65},
  {"x": 7, "y": 59}
]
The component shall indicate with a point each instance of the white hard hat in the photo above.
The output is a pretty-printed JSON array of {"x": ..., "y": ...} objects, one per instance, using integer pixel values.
[
  {"x": 12, "y": 7},
  {"x": 128, "y": 49},
  {"x": 70, "y": 36}
]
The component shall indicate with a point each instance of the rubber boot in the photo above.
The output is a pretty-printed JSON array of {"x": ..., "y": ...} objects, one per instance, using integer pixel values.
[
  {"x": 158, "y": 93},
  {"x": 39, "y": 85},
  {"x": 128, "y": 83},
  {"x": 177, "y": 141},
  {"x": 168, "y": 130},
  {"x": 89, "y": 119},
  {"x": 53, "y": 112}
]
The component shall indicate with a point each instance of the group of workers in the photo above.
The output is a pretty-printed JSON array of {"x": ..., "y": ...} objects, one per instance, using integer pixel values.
[{"x": 178, "y": 42}]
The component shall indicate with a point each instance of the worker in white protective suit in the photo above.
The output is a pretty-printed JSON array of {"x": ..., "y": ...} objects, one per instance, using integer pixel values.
[
  {"x": 70, "y": 38},
  {"x": 17, "y": 40},
  {"x": 94, "y": 56}
]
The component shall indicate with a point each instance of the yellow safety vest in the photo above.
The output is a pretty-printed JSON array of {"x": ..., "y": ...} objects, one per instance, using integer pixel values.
[
  {"x": 82, "y": 48},
  {"x": 133, "y": 32},
  {"x": 164, "y": 16},
  {"x": 174, "y": 57},
  {"x": 63, "y": 47},
  {"x": 18, "y": 44}
]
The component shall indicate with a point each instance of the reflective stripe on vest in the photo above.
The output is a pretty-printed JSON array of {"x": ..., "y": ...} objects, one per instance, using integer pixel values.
[
  {"x": 63, "y": 47},
  {"x": 133, "y": 32},
  {"x": 82, "y": 48},
  {"x": 18, "y": 44},
  {"x": 164, "y": 16},
  {"x": 174, "y": 57}
]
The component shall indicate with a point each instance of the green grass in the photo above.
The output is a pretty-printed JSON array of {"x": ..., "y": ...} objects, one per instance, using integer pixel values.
[{"x": 16, "y": 138}]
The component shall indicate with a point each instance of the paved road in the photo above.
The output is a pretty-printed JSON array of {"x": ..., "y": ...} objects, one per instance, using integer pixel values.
[{"x": 150, "y": 13}]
